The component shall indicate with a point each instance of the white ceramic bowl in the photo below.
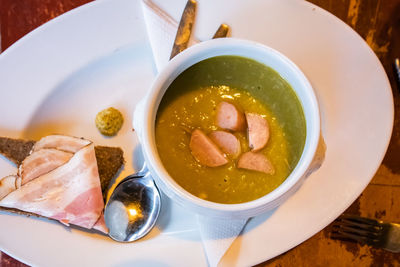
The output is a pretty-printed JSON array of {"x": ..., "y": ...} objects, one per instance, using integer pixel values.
[{"x": 145, "y": 115}]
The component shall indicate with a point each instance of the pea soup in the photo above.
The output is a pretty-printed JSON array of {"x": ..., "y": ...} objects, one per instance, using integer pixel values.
[{"x": 191, "y": 102}]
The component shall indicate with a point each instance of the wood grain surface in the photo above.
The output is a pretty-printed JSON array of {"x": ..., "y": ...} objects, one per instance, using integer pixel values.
[{"x": 378, "y": 22}]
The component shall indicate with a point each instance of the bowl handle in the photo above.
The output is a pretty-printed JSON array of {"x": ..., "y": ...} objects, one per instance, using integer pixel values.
[
  {"x": 138, "y": 119},
  {"x": 319, "y": 157}
]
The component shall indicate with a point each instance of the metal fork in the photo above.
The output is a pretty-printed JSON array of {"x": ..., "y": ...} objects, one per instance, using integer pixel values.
[
  {"x": 367, "y": 231},
  {"x": 397, "y": 69}
]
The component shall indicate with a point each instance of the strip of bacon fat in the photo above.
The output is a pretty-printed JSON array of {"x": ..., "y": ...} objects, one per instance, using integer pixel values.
[
  {"x": 41, "y": 162},
  {"x": 61, "y": 142},
  {"x": 9, "y": 184},
  {"x": 70, "y": 193},
  {"x": 100, "y": 225}
]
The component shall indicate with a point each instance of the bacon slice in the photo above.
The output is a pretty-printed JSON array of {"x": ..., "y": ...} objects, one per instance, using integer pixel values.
[
  {"x": 70, "y": 193},
  {"x": 61, "y": 142},
  {"x": 205, "y": 151},
  {"x": 255, "y": 162},
  {"x": 228, "y": 143},
  {"x": 9, "y": 184},
  {"x": 229, "y": 117},
  {"x": 100, "y": 225},
  {"x": 258, "y": 131},
  {"x": 41, "y": 162}
]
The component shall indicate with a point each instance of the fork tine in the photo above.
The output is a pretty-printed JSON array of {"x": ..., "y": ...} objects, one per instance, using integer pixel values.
[
  {"x": 348, "y": 237},
  {"x": 353, "y": 228},
  {"x": 359, "y": 219},
  {"x": 357, "y": 225},
  {"x": 373, "y": 236}
]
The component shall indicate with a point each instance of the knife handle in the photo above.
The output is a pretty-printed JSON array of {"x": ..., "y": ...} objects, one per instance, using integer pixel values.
[{"x": 185, "y": 28}]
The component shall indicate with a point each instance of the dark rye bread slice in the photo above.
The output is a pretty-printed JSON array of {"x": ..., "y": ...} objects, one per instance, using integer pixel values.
[
  {"x": 15, "y": 150},
  {"x": 109, "y": 161}
]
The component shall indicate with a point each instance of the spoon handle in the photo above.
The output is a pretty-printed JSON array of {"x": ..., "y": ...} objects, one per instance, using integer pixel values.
[{"x": 143, "y": 170}]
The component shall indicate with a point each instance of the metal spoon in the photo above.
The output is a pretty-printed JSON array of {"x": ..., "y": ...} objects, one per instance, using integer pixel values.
[
  {"x": 133, "y": 208},
  {"x": 134, "y": 205}
]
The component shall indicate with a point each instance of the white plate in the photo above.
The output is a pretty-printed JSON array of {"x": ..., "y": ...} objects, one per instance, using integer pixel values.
[{"x": 57, "y": 77}]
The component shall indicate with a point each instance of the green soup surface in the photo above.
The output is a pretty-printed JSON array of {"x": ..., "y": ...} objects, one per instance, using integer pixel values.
[{"x": 190, "y": 103}]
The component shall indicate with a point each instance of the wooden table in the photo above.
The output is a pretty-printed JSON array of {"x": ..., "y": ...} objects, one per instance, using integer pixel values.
[{"x": 378, "y": 22}]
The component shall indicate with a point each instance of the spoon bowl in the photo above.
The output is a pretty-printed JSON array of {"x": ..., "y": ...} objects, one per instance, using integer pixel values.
[{"x": 133, "y": 207}]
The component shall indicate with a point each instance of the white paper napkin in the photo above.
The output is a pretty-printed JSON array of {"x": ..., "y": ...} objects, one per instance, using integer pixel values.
[
  {"x": 161, "y": 30},
  {"x": 217, "y": 234}
]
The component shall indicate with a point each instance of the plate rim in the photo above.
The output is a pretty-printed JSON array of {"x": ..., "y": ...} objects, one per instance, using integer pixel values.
[{"x": 70, "y": 13}]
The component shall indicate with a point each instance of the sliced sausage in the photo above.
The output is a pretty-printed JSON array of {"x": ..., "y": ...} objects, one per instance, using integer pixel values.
[
  {"x": 229, "y": 117},
  {"x": 258, "y": 131},
  {"x": 227, "y": 142},
  {"x": 205, "y": 151},
  {"x": 255, "y": 162}
]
